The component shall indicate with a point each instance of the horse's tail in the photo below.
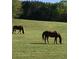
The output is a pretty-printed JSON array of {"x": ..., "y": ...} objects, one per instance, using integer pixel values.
[
  {"x": 13, "y": 29},
  {"x": 60, "y": 38},
  {"x": 43, "y": 36},
  {"x": 22, "y": 30}
]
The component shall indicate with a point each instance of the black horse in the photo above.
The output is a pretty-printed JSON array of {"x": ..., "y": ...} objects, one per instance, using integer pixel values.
[
  {"x": 47, "y": 34},
  {"x": 20, "y": 28}
]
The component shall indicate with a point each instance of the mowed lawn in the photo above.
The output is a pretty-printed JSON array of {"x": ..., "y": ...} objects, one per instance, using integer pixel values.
[{"x": 30, "y": 45}]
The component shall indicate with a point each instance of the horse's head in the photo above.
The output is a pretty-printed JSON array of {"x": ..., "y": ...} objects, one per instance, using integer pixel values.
[{"x": 60, "y": 38}]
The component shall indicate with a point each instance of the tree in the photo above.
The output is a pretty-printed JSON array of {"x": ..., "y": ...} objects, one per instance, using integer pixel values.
[
  {"x": 62, "y": 10},
  {"x": 16, "y": 8},
  {"x": 44, "y": 11}
]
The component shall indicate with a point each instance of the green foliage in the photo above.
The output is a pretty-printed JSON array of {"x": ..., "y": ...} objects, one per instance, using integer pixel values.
[
  {"x": 40, "y": 10},
  {"x": 44, "y": 11},
  {"x": 29, "y": 45},
  {"x": 16, "y": 8}
]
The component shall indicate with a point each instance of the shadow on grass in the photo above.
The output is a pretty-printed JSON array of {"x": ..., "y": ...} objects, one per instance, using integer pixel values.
[
  {"x": 64, "y": 21},
  {"x": 37, "y": 43},
  {"x": 47, "y": 44}
]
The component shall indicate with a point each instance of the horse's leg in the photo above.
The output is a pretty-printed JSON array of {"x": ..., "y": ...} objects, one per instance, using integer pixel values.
[
  {"x": 47, "y": 40},
  {"x": 22, "y": 30},
  {"x": 12, "y": 31},
  {"x": 55, "y": 40},
  {"x": 15, "y": 31},
  {"x": 19, "y": 31}
]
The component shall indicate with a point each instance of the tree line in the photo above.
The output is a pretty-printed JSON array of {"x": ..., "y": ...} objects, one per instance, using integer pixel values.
[{"x": 37, "y": 10}]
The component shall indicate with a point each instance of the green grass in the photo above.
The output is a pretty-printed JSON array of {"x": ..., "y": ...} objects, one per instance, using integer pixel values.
[{"x": 29, "y": 45}]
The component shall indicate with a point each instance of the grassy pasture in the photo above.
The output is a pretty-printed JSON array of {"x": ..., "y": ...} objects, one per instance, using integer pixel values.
[{"x": 30, "y": 45}]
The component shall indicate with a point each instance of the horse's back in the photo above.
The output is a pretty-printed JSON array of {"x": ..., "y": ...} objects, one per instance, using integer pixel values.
[
  {"x": 19, "y": 26},
  {"x": 50, "y": 33},
  {"x": 14, "y": 27},
  {"x": 45, "y": 32}
]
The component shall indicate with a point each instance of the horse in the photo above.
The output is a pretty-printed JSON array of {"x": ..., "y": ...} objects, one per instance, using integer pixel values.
[
  {"x": 55, "y": 34},
  {"x": 20, "y": 28}
]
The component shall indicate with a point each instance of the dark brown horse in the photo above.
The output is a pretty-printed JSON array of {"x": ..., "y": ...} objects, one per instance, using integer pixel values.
[
  {"x": 20, "y": 28},
  {"x": 47, "y": 34}
]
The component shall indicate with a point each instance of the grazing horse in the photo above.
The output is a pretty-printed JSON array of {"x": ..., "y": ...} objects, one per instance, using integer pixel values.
[
  {"x": 47, "y": 34},
  {"x": 20, "y": 28}
]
